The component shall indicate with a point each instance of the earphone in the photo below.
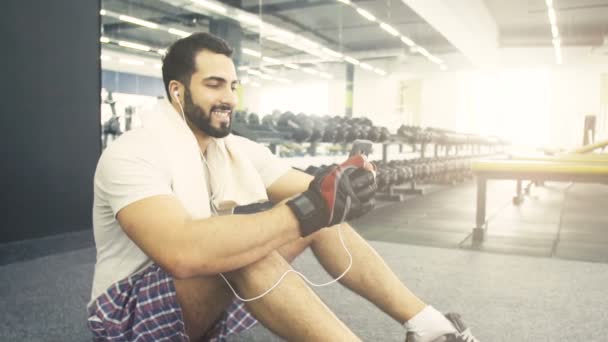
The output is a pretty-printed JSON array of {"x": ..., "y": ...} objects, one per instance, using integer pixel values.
[
  {"x": 214, "y": 210},
  {"x": 176, "y": 96}
]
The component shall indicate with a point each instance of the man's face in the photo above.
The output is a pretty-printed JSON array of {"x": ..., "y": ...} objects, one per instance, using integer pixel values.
[{"x": 210, "y": 98}]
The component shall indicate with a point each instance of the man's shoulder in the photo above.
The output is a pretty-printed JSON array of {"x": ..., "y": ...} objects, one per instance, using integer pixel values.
[{"x": 132, "y": 148}]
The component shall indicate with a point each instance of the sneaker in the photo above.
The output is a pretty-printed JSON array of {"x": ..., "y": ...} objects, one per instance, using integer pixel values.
[{"x": 463, "y": 333}]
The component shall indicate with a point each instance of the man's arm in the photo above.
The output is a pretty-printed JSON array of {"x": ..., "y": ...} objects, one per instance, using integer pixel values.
[
  {"x": 290, "y": 184},
  {"x": 162, "y": 228}
]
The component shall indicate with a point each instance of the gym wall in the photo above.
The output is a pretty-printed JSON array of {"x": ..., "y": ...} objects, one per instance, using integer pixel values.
[{"x": 50, "y": 112}]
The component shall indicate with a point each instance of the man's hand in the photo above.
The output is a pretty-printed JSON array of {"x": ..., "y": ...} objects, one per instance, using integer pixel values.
[{"x": 338, "y": 193}]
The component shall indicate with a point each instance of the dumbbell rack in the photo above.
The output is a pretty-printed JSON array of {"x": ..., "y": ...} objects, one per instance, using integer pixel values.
[{"x": 399, "y": 193}]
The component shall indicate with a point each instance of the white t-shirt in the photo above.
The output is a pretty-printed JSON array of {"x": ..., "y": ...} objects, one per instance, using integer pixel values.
[{"x": 133, "y": 168}]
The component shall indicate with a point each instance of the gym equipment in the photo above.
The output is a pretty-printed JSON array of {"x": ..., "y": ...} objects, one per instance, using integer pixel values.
[
  {"x": 589, "y": 130},
  {"x": 591, "y": 147},
  {"x": 253, "y": 119},
  {"x": 249, "y": 126},
  {"x": 532, "y": 170},
  {"x": 298, "y": 127},
  {"x": 111, "y": 128}
]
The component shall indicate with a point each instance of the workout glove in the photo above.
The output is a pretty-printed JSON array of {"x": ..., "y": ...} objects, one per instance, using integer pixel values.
[{"x": 338, "y": 193}]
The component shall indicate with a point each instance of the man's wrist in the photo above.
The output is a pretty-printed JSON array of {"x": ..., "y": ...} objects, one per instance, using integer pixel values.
[{"x": 306, "y": 210}]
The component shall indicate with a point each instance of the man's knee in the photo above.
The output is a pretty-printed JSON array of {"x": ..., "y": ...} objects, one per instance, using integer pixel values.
[
  {"x": 328, "y": 234},
  {"x": 273, "y": 263},
  {"x": 290, "y": 251}
]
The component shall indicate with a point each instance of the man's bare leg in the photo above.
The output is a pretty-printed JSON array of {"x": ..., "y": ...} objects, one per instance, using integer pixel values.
[
  {"x": 292, "y": 310},
  {"x": 369, "y": 276}
]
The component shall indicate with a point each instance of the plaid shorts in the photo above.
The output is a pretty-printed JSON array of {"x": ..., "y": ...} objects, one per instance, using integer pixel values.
[{"x": 144, "y": 307}]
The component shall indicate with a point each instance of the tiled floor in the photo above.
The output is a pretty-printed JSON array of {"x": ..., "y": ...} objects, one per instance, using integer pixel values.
[{"x": 556, "y": 220}]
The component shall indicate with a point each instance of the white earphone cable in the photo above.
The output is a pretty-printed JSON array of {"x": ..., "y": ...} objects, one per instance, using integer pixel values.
[
  {"x": 212, "y": 205},
  {"x": 350, "y": 263}
]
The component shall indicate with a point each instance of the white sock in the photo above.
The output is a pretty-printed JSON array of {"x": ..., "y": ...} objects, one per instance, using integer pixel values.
[{"x": 429, "y": 324}]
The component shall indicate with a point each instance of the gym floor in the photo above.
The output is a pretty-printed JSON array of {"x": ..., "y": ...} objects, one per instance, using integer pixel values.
[{"x": 540, "y": 274}]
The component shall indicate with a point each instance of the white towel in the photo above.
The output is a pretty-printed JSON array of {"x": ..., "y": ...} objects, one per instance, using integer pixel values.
[{"x": 233, "y": 178}]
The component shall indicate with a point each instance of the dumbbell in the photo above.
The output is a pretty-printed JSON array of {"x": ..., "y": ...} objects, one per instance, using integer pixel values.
[
  {"x": 373, "y": 134},
  {"x": 353, "y": 133},
  {"x": 318, "y": 129},
  {"x": 253, "y": 119},
  {"x": 408, "y": 133},
  {"x": 240, "y": 117},
  {"x": 341, "y": 131},
  {"x": 330, "y": 132},
  {"x": 298, "y": 130}
]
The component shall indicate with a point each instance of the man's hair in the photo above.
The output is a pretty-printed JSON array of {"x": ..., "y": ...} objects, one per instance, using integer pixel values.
[{"x": 179, "y": 62}]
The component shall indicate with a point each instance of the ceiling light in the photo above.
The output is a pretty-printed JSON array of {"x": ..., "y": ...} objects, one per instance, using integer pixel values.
[
  {"x": 366, "y": 66},
  {"x": 423, "y": 51},
  {"x": 281, "y": 33},
  {"x": 331, "y": 52},
  {"x": 104, "y": 39},
  {"x": 266, "y": 77},
  {"x": 105, "y": 58},
  {"x": 134, "y": 45},
  {"x": 351, "y": 60},
  {"x": 407, "y": 41},
  {"x": 292, "y": 66},
  {"x": 552, "y": 17},
  {"x": 131, "y": 61},
  {"x": 310, "y": 43},
  {"x": 254, "y": 72},
  {"x": 283, "y": 80},
  {"x": 326, "y": 75},
  {"x": 251, "y": 52},
  {"x": 435, "y": 59},
  {"x": 211, "y": 6},
  {"x": 346, "y": 2},
  {"x": 102, "y": 12},
  {"x": 180, "y": 33},
  {"x": 271, "y": 60},
  {"x": 366, "y": 14},
  {"x": 138, "y": 21},
  {"x": 388, "y": 28},
  {"x": 549, "y": 3},
  {"x": 310, "y": 71},
  {"x": 268, "y": 70},
  {"x": 248, "y": 19},
  {"x": 380, "y": 72},
  {"x": 243, "y": 68},
  {"x": 554, "y": 31},
  {"x": 279, "y": 40},
  {"x": 161, "y": 52}
]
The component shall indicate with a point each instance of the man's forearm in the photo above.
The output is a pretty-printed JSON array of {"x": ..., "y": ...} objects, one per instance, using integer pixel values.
[{"x": 225, "y": 243}]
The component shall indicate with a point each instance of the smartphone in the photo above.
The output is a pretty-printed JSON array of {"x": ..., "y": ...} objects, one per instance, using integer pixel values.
[{"x": 361, "y": 146}]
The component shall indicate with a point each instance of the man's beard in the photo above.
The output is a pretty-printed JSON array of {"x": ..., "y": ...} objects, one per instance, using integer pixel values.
[{"x": 202, "y": 119}]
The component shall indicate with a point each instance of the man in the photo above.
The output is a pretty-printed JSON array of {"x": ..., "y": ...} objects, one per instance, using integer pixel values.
[{"x": 168, "y": 256}]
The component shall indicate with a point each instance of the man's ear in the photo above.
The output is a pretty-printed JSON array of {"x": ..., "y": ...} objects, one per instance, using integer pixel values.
[{"x": 176, "y": 91}]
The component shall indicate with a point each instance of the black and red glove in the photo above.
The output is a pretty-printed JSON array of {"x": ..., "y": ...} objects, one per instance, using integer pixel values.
[{"x": 338, "y": 193}]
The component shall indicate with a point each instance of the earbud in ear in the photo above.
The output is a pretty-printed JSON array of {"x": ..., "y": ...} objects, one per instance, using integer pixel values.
[{"x": 176, "y": 94}]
